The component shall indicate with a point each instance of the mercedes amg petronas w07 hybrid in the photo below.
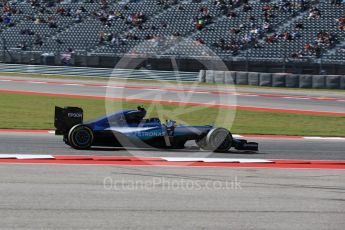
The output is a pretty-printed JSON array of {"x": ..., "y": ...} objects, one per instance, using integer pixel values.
[{"x": 130, "y": 128}]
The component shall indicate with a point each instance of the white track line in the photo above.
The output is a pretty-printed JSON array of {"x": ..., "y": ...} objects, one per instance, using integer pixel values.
[
  {"x": 74, "y": 84},
  {"x": 169, "y": 159},
  {"x": 214, "y": 160},
  {"x": 38, "y": 82},
  {"x": 324, "y": 138},
  {"x": 25, "y": 156}
]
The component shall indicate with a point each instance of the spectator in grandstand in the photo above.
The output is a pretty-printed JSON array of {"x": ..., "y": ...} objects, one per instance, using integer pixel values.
[
  {"x": 325, "y": 38},
  {"x": 81, "y": 10},
  {"x": 219, "y": 2},
  {"x": 314, "y": 13},
  {"x": 255, "y": 31},
  {"x": 200, "y": 23},
  {"x": 52, "y": 23},
  {"x": 341, "y": 49},
  {"x": 304, "y": 5},
  {"x": 149, "y": 37},
  {"x": 299, "y": 25},
  {"x": 297, "y": 55},
  {"x": 267, "y": 16},
  {"x": 135, "y": 19},
  {"x": 220, "y": 43},
  {"x": 167, "y": 3},
  {"x": 38, "y": 40},
  {"x": 308, "y": 48},
  {"x": 26, "y": 32},
  {"x": 58, "y": 41},
  {"x": 231, "y": 14},
  {"x": 35, "y": 3},
  {"x": 77, "y": 18},
  {"x": 341, "y": 23},
  {"x": 176, "y": 34},
  {"x": 294, "y": 55},
  {"x": 270, "y": 39},
  {"x": 267, "y": 7},
  {"x": 131, "y": 36},
  {"x": 8, "y": 21},
  {"x": 23, "y": 46},
  {"x": 39, "y": 19},
  {"x": 318, "y": 51},
  {"x": 267, "y": 27},
  {"x": 257, "y": 44},
  {"x": 66, "y": 57},
  {"x": 287, "y": 36},
  {"x": 101, "y": 38},
  {"x": 104, "y": 4},
  {"x": 199, "y": 41},
  {"x": 111, "y": 16},
  {"x": 246, "y": 8},
  {"x": 336, "y": 2},
  {"x": 235, "y": 30},
  {"x": 115, "y": 41},
  {"x": 61, "y": 11},
  {"x": 295, "y": 34},
  {"x": 285, "y": 6}
]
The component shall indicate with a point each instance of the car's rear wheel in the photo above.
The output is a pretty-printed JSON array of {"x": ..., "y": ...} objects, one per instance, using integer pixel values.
[
  {"x": 65, "y": 139},
  {"x": 80, "y": 137},
  {"x": 219, "y": 140}
]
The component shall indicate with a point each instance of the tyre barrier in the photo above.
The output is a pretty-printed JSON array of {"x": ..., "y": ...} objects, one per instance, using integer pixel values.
[
  {"x": 230, "y": 77},
  {"x": 274, "y": 80},
  {"x": 319, "y": 82},
  {"x": 278, "y": 80},
  {"x": 292, "y": 81},
  {"x": 209, "y": 78},
  {"x": 305, "y": 81},
  {"x": 202, "y": 76},
  {"x": 219, "y": 77},
  {"x": 241, "y": 78},
  {"x": 333, "y": 82},
  {"x": 253, "y": 78},
  {"x": 265, "y": 79},
  {"x": 342, "y": 82}
]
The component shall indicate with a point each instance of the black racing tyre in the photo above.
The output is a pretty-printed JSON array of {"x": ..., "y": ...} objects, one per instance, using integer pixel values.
[
  {"x": 80, "y": 137},
  {"x": 219, "y": 140},
  {"x": 65, "y": 139}
]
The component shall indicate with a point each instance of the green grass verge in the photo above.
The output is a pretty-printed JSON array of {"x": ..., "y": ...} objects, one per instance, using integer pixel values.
[{"x": 36, "y": 112}]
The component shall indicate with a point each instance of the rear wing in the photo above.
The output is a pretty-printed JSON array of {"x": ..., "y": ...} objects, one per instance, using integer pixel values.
[{"x": 67, "y": 117}]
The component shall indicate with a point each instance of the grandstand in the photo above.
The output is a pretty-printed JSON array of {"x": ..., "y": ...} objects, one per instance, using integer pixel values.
[{"x": 284, "y": 35}]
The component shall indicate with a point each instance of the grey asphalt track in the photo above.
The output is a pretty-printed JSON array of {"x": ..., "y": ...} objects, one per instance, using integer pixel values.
[
  {"x": 269, "y": 148},
  {"x": 200, "y": 97},
  {"x": 113, "y": 197}
]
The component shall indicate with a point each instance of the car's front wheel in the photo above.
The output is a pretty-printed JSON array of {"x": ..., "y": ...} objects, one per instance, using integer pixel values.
[
  {"x": 219, "y": 140},
  {"x": 80, "y": 137}
]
